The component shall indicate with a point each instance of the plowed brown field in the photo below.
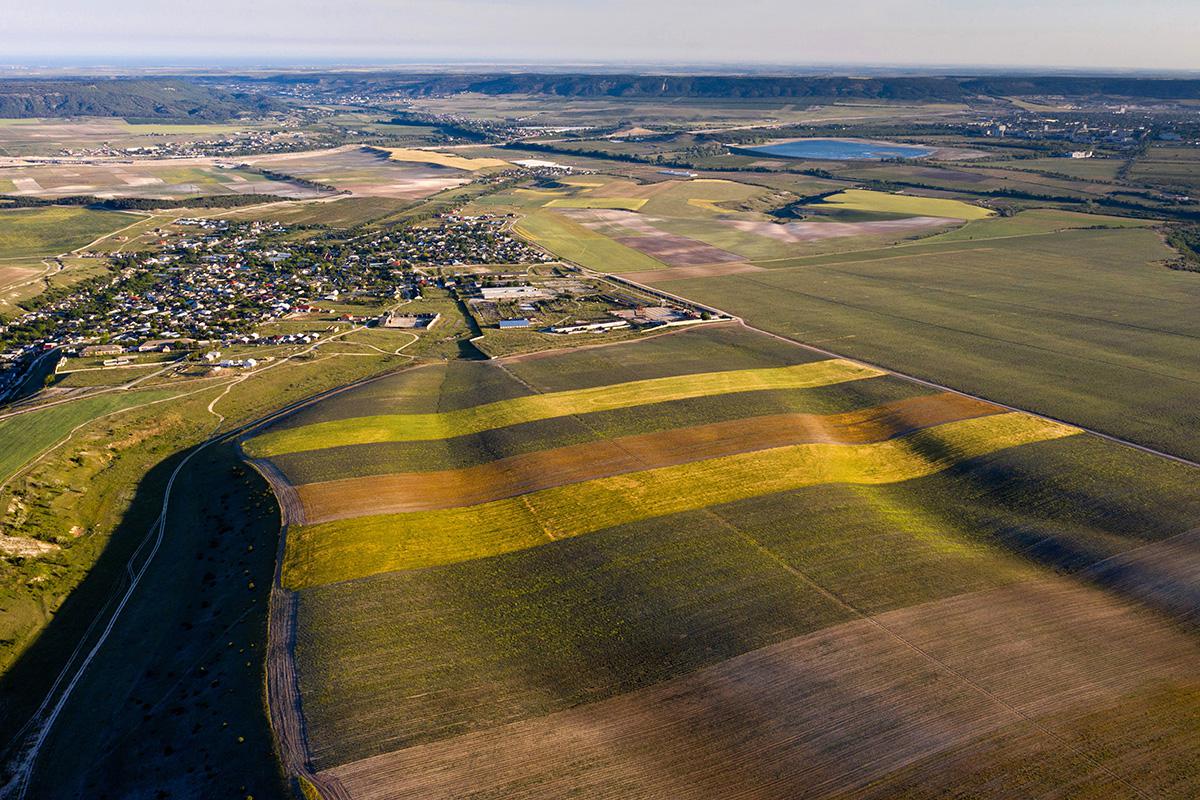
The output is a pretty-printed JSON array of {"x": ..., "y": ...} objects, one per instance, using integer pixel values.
[{"x": 836, "y": 711}]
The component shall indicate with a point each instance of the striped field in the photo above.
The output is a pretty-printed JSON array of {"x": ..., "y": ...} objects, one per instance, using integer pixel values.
[
  {"x": 711, "y": 564},
  {"x": 416, "y": 427}
]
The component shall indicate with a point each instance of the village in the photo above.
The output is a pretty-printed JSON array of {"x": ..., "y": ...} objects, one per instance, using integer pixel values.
[{"x": 211, "y": 284}]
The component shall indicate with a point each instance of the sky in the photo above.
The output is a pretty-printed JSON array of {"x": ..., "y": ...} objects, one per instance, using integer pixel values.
[{"x": 1092, "y": 34}]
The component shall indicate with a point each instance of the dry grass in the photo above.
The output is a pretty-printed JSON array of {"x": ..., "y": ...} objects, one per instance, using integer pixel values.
[
  {"x": 444, "y": 159},
  {"x": 867, "y": 200}
]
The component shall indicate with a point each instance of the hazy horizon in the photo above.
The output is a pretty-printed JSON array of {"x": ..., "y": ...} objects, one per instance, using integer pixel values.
[{"x": 1155, "y": 35}]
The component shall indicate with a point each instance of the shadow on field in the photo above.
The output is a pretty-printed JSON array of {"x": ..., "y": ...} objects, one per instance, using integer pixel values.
[
  {"x": 26, "y": 682},
  {"x": 537, "y": 631},
  {"x": 1073, "y": 506},
  {"x": 173, "y": 703}
]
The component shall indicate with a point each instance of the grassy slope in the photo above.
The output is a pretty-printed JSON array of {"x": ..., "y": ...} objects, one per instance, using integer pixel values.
[
  {"x": 173, "y": 705},
  {"x": 28, "y": 434},
  {"x": 28, "y": 232},
  {"x": 109, "y": 481}
]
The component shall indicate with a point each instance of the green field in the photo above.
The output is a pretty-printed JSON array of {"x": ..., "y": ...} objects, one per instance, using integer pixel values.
[
  {"x": 626, "y": 203},
  {"x": 30, "y": 433},
  {"x": 1083, "y": 325},
  {"x": 569, "y": 240},
  {"x": 337, "y": 551},
  {"x": 416, "y": 427},
  {"x": 494, "y": 619},
  {"x": 345, "y": 212},
  {"x": 1035, "y": 221},
  {"x": 40, "y": 232},
  {"x": 685, "y": 215}
]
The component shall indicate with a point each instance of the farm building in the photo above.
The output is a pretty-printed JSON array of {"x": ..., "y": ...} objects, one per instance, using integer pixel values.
[
  {"x": 512, "y": 292},
  {"x": 590, "y": 327},
  {"x": 520, "y": 322},
  {"x": 654, "y": 315}
]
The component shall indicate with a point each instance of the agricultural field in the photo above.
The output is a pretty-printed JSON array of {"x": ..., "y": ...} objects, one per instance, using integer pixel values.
[
  {"x": 48, "y": 137},
  {"x": 907, "y": 205},
  {"x": 40, "y": 232},
  {"x": 670, "y": 114},
  {"x": 1082, "y": 324},
  {"x": 1016, "y": 308},
  {"x": 710, "y": 225},
  {"x": 336, "y": 212},
  {"x": 865, "y": 534},
  {"x": 1092, "y": 169},
  {"x": 368, "y": 172},
  {"x": 159, "y": 179},
  {"x": 1171, "y": 167},
  {"x": 449, "y": 160},
  {"x": 634, "y": 549},
  {"x": 80, "y": 494}
]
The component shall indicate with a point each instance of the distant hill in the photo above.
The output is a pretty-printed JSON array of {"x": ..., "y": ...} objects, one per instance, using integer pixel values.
[
  {"x": 209, "y": 98},
  {"x": 927, "y": 88},
  {"x": 167, "y": 99}
]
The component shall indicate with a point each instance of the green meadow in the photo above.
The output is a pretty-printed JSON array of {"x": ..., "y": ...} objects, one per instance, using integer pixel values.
[{"x": 40, "y": 232}]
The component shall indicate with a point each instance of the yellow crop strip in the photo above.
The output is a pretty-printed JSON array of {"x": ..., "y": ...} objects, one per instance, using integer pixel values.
[
  {"x": 355, "y": 548},
  {"x": 867, "y": 200},
  {"x": 421, "y": 427},
  {"x": 443, "y": 159}
]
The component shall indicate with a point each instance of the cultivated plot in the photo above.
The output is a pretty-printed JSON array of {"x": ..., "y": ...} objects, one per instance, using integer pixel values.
[{"x": 708, "y": 576}]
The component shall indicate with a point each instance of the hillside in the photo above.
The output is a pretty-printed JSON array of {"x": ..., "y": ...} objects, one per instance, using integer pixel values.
[
  {"x": 926, "y": 88},
  {"x": 132, "y": 98}
]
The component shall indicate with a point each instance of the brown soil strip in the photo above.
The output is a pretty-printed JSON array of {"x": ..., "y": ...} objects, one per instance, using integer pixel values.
[
  {"x": 290, "y": 508},
  {"x": 825, "y": 714},
  {"x": 283, "y": 696},
  {"x": 530, "y": 472},
  {"x": 678, "y": 251}
]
